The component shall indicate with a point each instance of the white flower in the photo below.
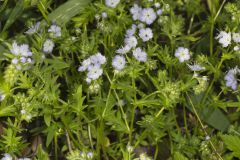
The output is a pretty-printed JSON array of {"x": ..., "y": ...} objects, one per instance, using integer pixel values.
[
  {"x": 236, "y": 48},
  {"x": 84, "y": 65},
  {"x": 182, "y": 54},
  {"x": 88, "y": 80},
  {"x": 148, "y": 16},
  {"x": 195, "y": 67},
  {"x": 145, "y": 34},
  {"x": 118, "y": 62},
  {"x": 230, "y": 78},
  {"x": 136, "y": 12},
  {"x": 157, "y": 5},
  {"x": 131, "y": 31},
  {"x": 14, "y": 61},
  {"x": 34, "y": 28},
  {"x": 2, "y": 96},
  {"x": 140, "y": 55},
  {"x": 15, "y": 49},
  {"x": 131, "y": 41},
  {"x": 24, "y": 159},
  {"x": 24, "y": 49},
  {"x": 236, "y": 37},
  {"x": 224, "y": 38},
  {"x": 112, "y": 3},
  {"x": 6, "y": 156},
  {"x": 123, "y": 50},
  {"x": 48, "y": 46},
  {"x": 23, "y": 111},
  {"x": 98, "y": 59},
  {"x": 56, "y": 30},
  {"x": 90, "y": 155},
  {"x": 94, "y": 72},
  {"x": 104, "y": 15}
]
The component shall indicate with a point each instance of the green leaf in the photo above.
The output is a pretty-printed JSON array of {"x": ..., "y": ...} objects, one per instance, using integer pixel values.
[
  {"x": 47, "y": 119},
  {"x": 232, "y": 143},
  {"x": 51, "y": 131},
  {"x": 41, "y": 154},
  {"x": 6, "y": 110},
  {"x": 57, "y": 64},
  {"x": 212, "y": 116},
  {"x": 78, "y": 101},
  {"x": 215, "y": 118},
  {"x": 16, "y": 12},
  {"x": 68, "y": 10},
  {"x": 179, "y": 156}
]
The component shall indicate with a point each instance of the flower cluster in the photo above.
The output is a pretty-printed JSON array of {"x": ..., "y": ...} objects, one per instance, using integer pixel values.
[
  {"x": 231, "y": 79},
  {"x": 145, "y": 15},
  {"x": 225, "y": 39},
  {"x": 93, "y": 65},
  {"x": 22, "y": 55},
  {"x": 55, "y": 32}
]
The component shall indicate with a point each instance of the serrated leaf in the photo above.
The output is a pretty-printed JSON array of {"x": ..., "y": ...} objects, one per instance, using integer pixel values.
[
  {"x": 66, "y": 11},
  {"x": 232, "y": 143},
  {"x": 57, "y": 64},
  {"x": 6, "y": 110}
]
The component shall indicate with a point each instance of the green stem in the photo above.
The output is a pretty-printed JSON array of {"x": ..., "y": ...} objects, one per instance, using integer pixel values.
[
  {"x": 55, "y": 147},
  {"x": 203, "y": 128},
  {"x": 156, "y": 152},
  {"x": 213, "y": 20},
  {"x": 211, "y": 37},
  {"x": 133, "y": 112},
  {"x": 90, "y": 136}
]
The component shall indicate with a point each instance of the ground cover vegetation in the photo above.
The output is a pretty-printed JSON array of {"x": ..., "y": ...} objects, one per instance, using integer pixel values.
[{"x": 119, "y": 79}]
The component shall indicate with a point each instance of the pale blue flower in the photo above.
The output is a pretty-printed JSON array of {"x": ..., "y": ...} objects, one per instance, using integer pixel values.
[
  {"x": 34, "y": 28},
  {"x": 148, "y": 15},
  {"x": 146, "y": 34},
  {"x": 56, "y": 30},
  {"x": 140, "y": 55},
  {"x": 48, "y": 46},
  {"x": 118, "y": 62},
  {"x": 112, "y": 3}
]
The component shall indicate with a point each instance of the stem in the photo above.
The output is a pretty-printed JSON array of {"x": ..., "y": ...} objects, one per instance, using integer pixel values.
[
  {"x": 133, "y": 114},
  {"x": 90, "y": 136},
  {"x": 156, "y": 152},
  {"x": 211, "y": 85},
  {"x": 211, "y": 37},
  {"x": 68, "y": 141},
  {"x": 213, "y": 20},
  {"x": 123, "y": 114},
  {"x": 55, "y": 147},
  {"x": 201, "y": 124},
  {"x": 190, "y": 25}
]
